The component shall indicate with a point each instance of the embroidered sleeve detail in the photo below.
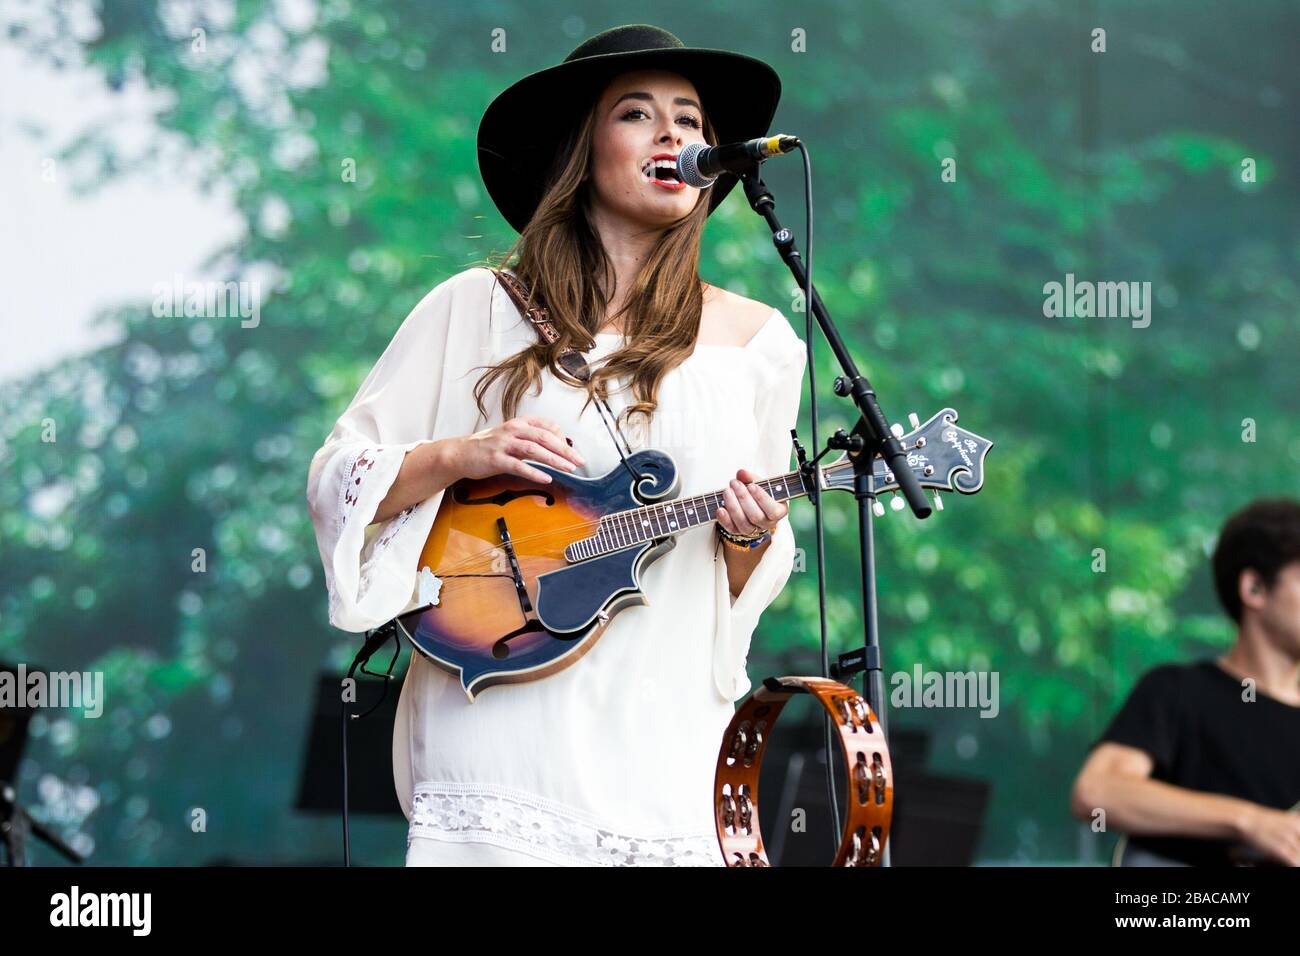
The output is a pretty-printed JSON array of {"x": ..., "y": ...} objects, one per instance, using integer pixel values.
[
  {"x": 366, "y": 559},
  {"x": 394, "y": 525},
  {"x": 374, "y": 549},
  {"x": 354, "y": 472},
  {"x": 542, "y": 828}
]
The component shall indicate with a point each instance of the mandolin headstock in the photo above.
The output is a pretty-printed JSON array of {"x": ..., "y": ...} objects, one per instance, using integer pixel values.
[{"x": 940, "y": 453}]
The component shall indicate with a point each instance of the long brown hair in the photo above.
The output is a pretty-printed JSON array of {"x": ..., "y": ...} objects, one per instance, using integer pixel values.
[{"x": 559, "y": 255}]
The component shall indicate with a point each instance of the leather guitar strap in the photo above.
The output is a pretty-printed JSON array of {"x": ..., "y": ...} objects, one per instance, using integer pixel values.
[{"x": 573, "y": 361}]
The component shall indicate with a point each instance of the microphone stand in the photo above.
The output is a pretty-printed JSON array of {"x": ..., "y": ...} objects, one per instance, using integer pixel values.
[{"x": 871, "y": 436}]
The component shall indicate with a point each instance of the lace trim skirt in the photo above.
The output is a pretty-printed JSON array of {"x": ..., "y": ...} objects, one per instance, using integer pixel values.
[{"x": 540, "y": 829}]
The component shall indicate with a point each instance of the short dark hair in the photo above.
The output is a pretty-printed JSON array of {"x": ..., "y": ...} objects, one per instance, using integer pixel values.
[{"x": 1263, "y": 536}]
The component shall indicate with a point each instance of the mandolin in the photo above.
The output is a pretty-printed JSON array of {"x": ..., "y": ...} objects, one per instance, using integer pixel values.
[{"x": 518, "y": 579}]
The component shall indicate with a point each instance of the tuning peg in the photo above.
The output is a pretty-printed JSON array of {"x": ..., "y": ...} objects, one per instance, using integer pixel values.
[
  {"x": 938, "y": 502},
  {"x": 896, "y": 502},
  {"x": 897, "y": 429},
  {"x": 877, "y": 508},
  {"x": 914, "y": 419}
]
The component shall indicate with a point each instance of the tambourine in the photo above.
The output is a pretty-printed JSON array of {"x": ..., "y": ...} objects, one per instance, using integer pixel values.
[{"x": 866, "y": 758}]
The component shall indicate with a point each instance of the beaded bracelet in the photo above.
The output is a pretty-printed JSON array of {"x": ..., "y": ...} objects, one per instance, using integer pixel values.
[{"x": 741, "y": 543}]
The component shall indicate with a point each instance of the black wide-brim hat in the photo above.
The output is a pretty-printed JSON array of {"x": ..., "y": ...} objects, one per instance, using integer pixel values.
[{"x": 523, "y": 128}]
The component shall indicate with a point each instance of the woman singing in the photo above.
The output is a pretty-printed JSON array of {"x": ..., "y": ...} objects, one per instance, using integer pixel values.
[{"x": 610, "y": 761}]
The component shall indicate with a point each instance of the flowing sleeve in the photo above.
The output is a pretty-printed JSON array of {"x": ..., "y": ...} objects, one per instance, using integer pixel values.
[
  {"x": 419, "y": 391},
  {"x": 779, "y": 389}
]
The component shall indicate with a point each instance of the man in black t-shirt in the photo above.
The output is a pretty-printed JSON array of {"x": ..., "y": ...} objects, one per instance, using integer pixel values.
[{"x": 1201, "y": 765}]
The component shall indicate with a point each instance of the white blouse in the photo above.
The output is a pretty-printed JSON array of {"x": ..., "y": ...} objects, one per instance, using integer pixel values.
[{"x": 611, "y": 760}]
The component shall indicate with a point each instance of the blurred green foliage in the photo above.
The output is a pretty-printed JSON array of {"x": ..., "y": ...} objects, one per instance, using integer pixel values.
[{"x": 196, "y": 433}]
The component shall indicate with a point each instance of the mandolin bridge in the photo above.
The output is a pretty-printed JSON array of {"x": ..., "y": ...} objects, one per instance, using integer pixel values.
[{"x": 525, "y": 604}]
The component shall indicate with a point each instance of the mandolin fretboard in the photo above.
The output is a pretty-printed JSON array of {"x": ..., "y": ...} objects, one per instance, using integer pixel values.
[{"x": 626, "y": 528}]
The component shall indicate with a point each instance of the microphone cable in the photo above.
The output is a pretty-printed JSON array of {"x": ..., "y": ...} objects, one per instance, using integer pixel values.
[{"x": 828, "y": 730}]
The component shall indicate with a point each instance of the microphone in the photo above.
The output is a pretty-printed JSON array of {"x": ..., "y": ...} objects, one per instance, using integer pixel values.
[{"x": 698, "y": 165}]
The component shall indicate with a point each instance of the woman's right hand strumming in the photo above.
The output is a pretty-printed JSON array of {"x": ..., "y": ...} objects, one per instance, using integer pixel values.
[{"x": 500, "y": 450}]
